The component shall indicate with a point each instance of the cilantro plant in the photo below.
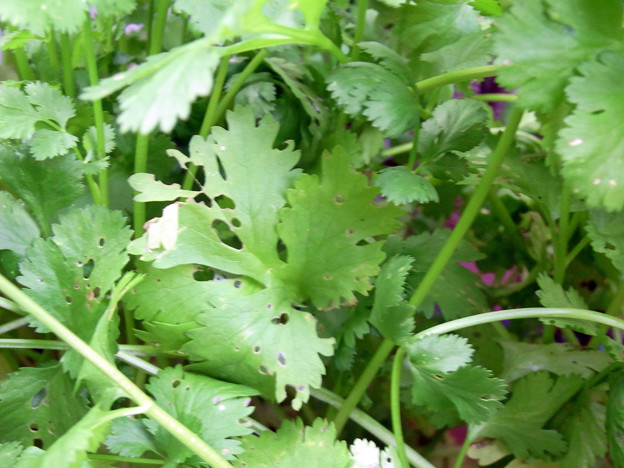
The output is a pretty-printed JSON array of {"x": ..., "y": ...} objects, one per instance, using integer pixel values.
[{"x": 312, "y": 233}]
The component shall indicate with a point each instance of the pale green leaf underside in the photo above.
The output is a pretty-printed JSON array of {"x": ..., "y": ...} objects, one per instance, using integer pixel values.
[{"x": 401, "y": 186}]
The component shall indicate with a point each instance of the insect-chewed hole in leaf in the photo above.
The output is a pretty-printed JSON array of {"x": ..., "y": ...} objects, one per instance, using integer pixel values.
[
  {"x": 281, "y": 359},
  {"x": 176, "y": 383},
  {"x": 236, "y": 349},
  {"x": 222, "y": 172},
  {"x": 327, "y": 277},
  {"x": 79, "y": 264},
  {"x": 38, "y": 398},
  {"x": 101, "y": 242},
  {"x": 487, "y": 397},
  {"x": 238, "y": 284},
  {"x": 87, "y": 269},
  {"x": 350, "y": 232},
  {"x": 225, "y": 202},
  {"x": 339, "y": 199},
  {"x": 226, "y": 235},
  {"x": 439, "y": 376},
  {"x": 235, "y": 222},
  {"x": 204, "y": 275},
  {"x": 34, "y": 427},
  {"x": 38, "y": 443},
  {"x": 282, "y": 251},
  {"x": 301, "y": 388},
  {"x": 256, "y": 349},
  {"x": 281, "y": 320},
  {"x": 68, "y": 299},
  {"x": 263, "y": 370}
]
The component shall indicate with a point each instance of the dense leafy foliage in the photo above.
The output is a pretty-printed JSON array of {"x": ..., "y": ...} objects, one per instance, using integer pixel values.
[{"x": 313, "y": 186}]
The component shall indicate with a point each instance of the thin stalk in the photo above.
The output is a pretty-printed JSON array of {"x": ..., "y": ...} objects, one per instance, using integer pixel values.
[
  {"x": 576, "y": 250},
  {"x": 140, "y": 166},
  {"x": 210, "y": 117},
  {"x": 68, "y": 72},
  {"x": 395, "y": 406},
  {"x": 500, "y": 210},
  {"x": 398, "y": 149},
  {"x": 98, "y": 113},
  {"x": 119, "y": 459},
  {"x": 93, "y": 186},
  {"x": 614, "y": 308},
  {"x": 495, "y": 97},
  {"x": 411, "y": 161},
  {"x": 463, "y": 451},
  {"x": 438, "y": 265},
  {"x": 514, "y": 314},
  {"x": 24, "y": 71},
  {"x": 359, "y": 28},
  {"x": 151, "y": 409},
  {"x": 21, "y": 343},
  {"x": 10, "y": 306},
  {"x": 455, "y": 76},
  {"x": 371, "y": 425},
  {"x": 53, "y": 54},
  {"x": 158, "y": 27},
  {"x": 216, "y": 114},
  {"x": 13, "y": 325}
]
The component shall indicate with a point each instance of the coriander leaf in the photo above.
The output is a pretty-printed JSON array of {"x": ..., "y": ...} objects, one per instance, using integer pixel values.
[
  {"x": 401, "y": 186},
  {"x": 584, "y": 429},
  {"x": 365, "y": 454},
  {"x": 327, "y": 219},
  {"x": 258, "y": 338},
  {"x": 89, "y": 140},
  {"x": 16, "y": 39},
  {"x": 258, "y": 93},
  {"x": 456, "y": 125},
  {"x": 161, "y": 90},
  {"x": 557, "y": 358},
  {"x": 455, "y": 292},
  {"x": 391, "y": 314},
  {"x": 45, "y": 186},
  {"x": 153, "y": 190},
  {"x": 615, "y": 418},
  {"x": 70, "y": 450},
  {"x": 373, "y": 91},
  {"x": 17, "y": 228},
  {"x": 20, "y": 112},
  {"x": 388, "y": 59},
  {"x": 442, "y": 379},
  {"x": 295, "y": 445},
  {"x": 552, "y": 294},
  {"x": 211, "y": 408},
  {"x": 606, "y": 231},
  {"x": 592, "y": 143},
  {"x": 41, "y": 16},
  {"x": 519, "y": 424},
  {"x": 545, "y": 41},
  {"x": 472, "y": 50},
  {"x": 488, "y": 7},
  {"x": 10, "y": 453},
  {"x": 71, "y": 273},
  {"x": 34, "y": 405}
]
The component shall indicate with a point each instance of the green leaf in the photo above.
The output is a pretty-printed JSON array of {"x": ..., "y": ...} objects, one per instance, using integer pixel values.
[
  {"x": 606, "y": 231},
  {"x": 71, "y": 449},
  {"x": 487, "y": 7},
  {"x": 212, "y": 409},
  {"x": 520, "y": 424},
  {"x": 161, "y": 90},
  {"x": 41, "y": 16},
  {"x": 391, "y": 314},
  {"x": 456, "y": 292},
  {"x": 259, "y": 339},
  {"x": 295, "y": 445},
  {"x": 71, "y": 273},
  {"x": 442, "y": 379},
  {"x": 552, "y": 294},
  {"x": 615, "y": 418},
  {"x": 17, "y": 228},
  {"x": 20, "y": 112},
  {"x": 153, "y": 190},
  {"x": 456, "y": 125},
  {"x": 388, "y": 59},
  {"x": 400, "y": 186},
  {"x": 558, "y": 358},
  {"x": 472, "y": 50},
  {"x": 45, "y": 186},
  {"x": 259, "y": 94},
  {"x": 592, "y": 143},
  {"x": 584, "y": 429},
  {"x": 544, "y": 42},
  {"x": 378, "y": 94},
  {"x": 10, "y": 453},
  {"x": 34, "y": 405},
  {"x": 16, "y": 39}
]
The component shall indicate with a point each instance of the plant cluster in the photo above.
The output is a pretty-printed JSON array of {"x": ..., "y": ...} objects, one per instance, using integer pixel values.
[{"x": 311, "y": 233}]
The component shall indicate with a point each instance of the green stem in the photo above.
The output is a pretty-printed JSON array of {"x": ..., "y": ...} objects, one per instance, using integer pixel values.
[
  {"x": 359, "y": 29},
  {"x": 495, "y": 97},
  {"x": 576, "y": 250},
  {"x": 501, "y": 212},
  {"x": 53, "y": 54},
  {"x": 438, "y": 265},
  {"x": 455, "y": 76},
  {"x": 463, "y": 452},
  {"x": 370, "y": 424},
  {"x": 98, "y": 113},
  {"x": 68, "y": 71},
  {"x": 561, "y": 246},
  {"x": 140, "y": 166},
  {"x": 411, "y": 161},
  {"x": 19, "y": 343},
  {"x": 24, "y": 71},
  {"x": 211, "y": 116},
  {"x": 93, "y": 186},
  {"x": 119, "y": 459},
  {"x": 158, "y": 27},
  {"x": 13, "y": 325},
  {"x": 512, "y": 314},
  {"x": 166, "y": 420},
  {"x": 214, "y": 112},
  {"x": 395, "y": 406}
]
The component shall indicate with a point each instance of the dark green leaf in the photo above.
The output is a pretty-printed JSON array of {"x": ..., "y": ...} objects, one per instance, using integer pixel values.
[{"x": 401, "y": 186}]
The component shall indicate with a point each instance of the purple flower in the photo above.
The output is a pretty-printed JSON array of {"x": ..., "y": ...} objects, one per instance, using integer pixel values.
[{"x": 132, "y": 28}]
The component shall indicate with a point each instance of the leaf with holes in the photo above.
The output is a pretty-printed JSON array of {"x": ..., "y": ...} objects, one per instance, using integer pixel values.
[
  {"x": 34, "y": 406},
  {"x": 212, "y": 409},
  {"x": 295, "y": 445}
]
